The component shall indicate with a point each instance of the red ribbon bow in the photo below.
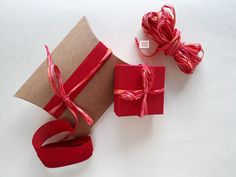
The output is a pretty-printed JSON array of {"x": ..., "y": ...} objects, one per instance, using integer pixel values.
[
  {"x": 147, "y": 81},
  {"x": 160, "y": 27},
  {"x": 56, "y": 82}
]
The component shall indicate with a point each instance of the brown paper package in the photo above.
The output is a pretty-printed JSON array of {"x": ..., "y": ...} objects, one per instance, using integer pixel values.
[{"x": 95, "y": 98}]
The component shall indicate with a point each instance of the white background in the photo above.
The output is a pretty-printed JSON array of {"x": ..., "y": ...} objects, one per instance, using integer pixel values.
[{"x": 196, "y": 135}]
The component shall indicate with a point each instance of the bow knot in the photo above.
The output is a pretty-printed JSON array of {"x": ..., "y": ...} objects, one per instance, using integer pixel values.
[
  {"x": 67, "y": 100},
  {"x": 145, "y": 91},
  {"x": 55, "y": 79}
]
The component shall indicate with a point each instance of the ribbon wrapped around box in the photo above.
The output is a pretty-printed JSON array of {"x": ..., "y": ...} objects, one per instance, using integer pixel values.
[
  {"x": 76, "y": 90},
  {"x": 138, "y": 90}
]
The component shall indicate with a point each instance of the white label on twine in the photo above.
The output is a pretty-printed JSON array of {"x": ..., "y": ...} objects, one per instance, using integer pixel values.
[{"x": 144, "y": 44}]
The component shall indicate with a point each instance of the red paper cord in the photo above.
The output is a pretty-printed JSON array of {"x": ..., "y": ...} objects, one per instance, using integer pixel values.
[
  {"x": 160, "y": 27},
  {"x": 131, "y": 95}
]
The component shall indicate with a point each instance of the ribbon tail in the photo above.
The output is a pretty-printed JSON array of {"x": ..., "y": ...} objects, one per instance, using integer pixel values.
[
  {"x": 84, "y": 115},
  {"x": 144, "y": 107}
]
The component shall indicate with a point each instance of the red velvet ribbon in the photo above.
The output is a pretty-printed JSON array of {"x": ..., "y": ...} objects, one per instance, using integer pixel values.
[
  {"x": 147, "y": 80},
  {"x": 66, "y": 152},
  {"x": 160, "y": 27}
]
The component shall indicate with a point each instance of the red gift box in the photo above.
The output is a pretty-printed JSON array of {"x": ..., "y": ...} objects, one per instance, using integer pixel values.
[{"x": 138, "y": 90}]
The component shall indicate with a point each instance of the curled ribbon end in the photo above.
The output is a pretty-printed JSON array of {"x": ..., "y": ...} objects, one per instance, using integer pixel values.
[
  {"x": 47, "y": 49},
  {"x": 49, "y": 57}
]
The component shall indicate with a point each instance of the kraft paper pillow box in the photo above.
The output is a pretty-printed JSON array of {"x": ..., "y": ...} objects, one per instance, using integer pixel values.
[{"x": 95, "y": 97}]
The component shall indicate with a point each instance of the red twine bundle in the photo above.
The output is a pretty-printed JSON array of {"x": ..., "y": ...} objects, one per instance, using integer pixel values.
[{"x": 160, "y": 27}]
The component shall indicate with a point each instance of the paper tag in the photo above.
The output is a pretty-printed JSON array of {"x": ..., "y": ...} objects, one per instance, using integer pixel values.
[{"x": 144, "y": 44}]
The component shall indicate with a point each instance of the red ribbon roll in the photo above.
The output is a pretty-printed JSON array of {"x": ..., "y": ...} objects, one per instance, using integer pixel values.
[{"x": 160, "y": 27}]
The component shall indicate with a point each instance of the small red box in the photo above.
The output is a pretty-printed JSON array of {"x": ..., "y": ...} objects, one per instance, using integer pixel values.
[{"x": 129, "y": 78}]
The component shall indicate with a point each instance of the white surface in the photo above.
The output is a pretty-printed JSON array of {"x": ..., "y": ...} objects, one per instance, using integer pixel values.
[{"x": 195, "y": 137}]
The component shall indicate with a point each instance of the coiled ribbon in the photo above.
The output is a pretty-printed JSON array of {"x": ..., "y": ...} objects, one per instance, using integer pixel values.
[
  {"x": 147, "y": 81},
  {"x": 160, "y": 27}
]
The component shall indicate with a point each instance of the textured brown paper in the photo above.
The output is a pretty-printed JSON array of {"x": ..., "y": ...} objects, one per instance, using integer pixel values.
[{"x": 96, "y": 97}]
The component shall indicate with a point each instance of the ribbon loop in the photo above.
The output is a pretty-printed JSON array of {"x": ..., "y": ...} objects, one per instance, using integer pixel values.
[{"x": 64, "y": 152}]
